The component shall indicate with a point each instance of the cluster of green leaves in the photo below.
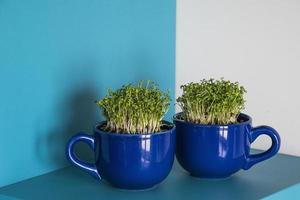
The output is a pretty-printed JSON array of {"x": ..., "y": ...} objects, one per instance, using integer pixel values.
[
  {"x": 212, "y": 101},
  {"x": 135, "y": 109}
]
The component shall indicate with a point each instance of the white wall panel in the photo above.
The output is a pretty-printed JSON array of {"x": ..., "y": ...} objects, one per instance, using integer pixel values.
[{"x": 255, "y": 42}]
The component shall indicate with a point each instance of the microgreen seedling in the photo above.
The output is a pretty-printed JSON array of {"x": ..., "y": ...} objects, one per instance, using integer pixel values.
[
  {"x": 212, "y": 101},
  {"x": 135, "y": 109}
]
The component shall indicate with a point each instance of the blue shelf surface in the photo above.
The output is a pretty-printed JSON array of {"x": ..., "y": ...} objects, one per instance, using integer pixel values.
[
  {"x": 260, "y": 181},
  {"x": 292, "y": 192}
]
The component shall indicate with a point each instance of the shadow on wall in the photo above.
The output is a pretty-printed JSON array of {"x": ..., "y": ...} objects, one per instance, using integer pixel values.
[{"x": 75, "y": 112}]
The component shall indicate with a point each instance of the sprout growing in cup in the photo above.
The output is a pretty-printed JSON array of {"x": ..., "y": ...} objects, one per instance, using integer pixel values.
[
  {"x": 212, "y": 101},
  {"x": 135, "y": 109}
]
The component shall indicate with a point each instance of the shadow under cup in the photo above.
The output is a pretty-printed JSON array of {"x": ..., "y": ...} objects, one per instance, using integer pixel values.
[
  {"x": 218, "y": 151},
  {"x": 128, "y": 161}
]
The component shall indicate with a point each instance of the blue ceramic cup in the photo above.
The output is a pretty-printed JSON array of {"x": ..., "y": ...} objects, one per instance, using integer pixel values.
[
  {"x": 218, "y": 151},
  {"x": 128, "y": 161}
]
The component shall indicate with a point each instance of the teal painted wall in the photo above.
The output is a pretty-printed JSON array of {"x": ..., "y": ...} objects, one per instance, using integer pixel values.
[{"x": 58, "y": 56}]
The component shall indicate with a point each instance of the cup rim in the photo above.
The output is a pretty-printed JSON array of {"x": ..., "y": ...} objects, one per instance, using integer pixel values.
[
  {"x": 247, "y": 121},
  {"x": 97, "y": 130}
]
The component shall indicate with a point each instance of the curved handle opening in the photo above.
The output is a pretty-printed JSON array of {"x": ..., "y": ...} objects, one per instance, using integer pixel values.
[
  {"x": 254, "y": 134},
  {"x": 88, "y": 167}
]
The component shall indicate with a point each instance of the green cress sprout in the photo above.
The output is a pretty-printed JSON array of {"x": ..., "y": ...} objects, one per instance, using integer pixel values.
[
  {"x": 212, "y": 102},
  {"x": 135, "y": 109}
]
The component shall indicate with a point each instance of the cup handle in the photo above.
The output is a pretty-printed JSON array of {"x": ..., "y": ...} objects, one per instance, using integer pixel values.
[
  {"x": 256, "y": 158},
  {"x": 89, "y": 167}
]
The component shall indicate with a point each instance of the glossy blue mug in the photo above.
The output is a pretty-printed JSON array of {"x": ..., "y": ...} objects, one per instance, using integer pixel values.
[
  {"x": 218, "y": 151},
  {"x": 127, "y": 161}
]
